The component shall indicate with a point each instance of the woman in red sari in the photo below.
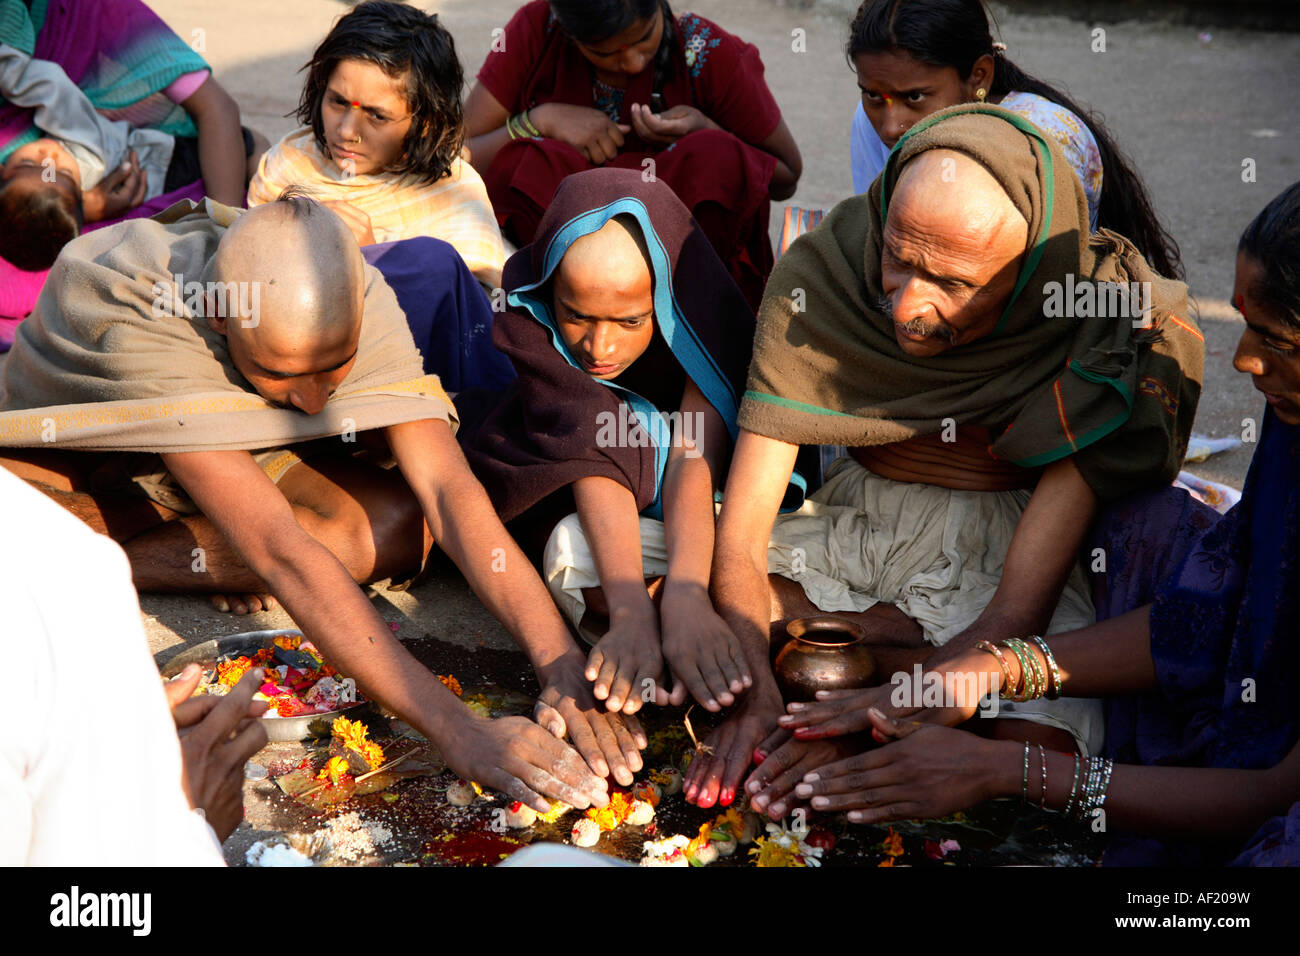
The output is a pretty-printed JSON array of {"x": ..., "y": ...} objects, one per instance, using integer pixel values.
[{"x": 575, "y": 84}]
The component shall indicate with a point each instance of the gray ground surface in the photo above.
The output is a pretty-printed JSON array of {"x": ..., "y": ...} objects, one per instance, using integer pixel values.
[{"x": 1187, "y": 111}]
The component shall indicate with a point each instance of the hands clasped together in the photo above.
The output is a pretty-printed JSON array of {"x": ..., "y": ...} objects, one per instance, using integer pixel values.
[{"x": 599, "y": 138}]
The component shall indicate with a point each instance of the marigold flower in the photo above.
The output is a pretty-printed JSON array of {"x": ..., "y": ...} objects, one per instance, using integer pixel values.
[
  {"x": 353, "y": 735},
  {"x": 450, "y": 682},
  {"x": 701, "y": 839},
  {"x": 230, "y": 672},
  {"x": 333, "y": 771}
]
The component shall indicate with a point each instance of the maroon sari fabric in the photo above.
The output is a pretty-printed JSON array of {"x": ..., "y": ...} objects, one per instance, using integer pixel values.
[{"x": 721, "y": 176}]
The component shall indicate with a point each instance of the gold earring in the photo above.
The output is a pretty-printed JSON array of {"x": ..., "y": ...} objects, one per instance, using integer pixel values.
[{"x": 980, "y": 94}]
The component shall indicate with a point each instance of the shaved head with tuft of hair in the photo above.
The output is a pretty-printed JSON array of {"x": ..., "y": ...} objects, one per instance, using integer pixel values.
[
  {"x": 300, "y": 266},
  {"x": 309, "y": 273}
]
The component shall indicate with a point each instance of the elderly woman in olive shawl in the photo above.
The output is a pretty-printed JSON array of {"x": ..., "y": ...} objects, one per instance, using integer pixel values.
[{"x": 985, "y": 360}]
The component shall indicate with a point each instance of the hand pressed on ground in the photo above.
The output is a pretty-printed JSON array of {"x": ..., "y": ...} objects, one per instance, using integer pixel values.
[
  {"x": 771, "y": 787},
  {"x": 624, "y": 659},
  {"x": 244, "y": 603},
  {"x": 516, "y": 757},
  {"x": 703, "y": 654},
  {"x": 923, "y": 771},
  {"x": 715, "y": 774},
  {"x": 610, "y": 743}
]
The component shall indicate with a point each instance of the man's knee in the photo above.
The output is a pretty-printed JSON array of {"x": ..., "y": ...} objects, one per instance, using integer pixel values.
[{"x": 368, "y": 518}]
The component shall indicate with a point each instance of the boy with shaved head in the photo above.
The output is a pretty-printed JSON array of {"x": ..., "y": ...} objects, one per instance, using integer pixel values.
[{"x": 162, "y": 390}]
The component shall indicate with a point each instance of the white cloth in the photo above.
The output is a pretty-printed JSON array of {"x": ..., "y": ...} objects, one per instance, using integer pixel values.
[
  {"x": 90, "y": 765},
  {"x": 98, "y": 144},
  {"x": 935, "y": 553},
  {"x": 568, "y": 565}
]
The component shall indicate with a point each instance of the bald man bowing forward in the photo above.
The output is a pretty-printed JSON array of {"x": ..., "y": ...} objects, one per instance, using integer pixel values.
[
  {"x": 984, "y": 429},
  {"x": 163, "y": 390}
]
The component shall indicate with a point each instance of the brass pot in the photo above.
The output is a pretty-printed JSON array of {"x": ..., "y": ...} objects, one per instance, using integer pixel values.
[{"x": 823, "y": 653}]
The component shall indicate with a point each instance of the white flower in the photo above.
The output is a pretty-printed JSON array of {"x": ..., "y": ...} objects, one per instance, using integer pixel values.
[{"x": 787, "y": 839}]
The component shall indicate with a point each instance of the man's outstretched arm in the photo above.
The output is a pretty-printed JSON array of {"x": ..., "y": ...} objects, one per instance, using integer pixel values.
[
  {"x": 466, "y": 526},
  {"x": 513, "y": 755},
  {"x": 1044, "y": 550},
  {"x": 756, "y": 483}
]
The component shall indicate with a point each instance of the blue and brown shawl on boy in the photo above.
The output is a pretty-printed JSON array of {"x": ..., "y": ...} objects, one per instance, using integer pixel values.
[{"x": 546, "y": 432}]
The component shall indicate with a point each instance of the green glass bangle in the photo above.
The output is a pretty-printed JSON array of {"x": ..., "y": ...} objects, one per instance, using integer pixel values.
[
  {"x": 1040, "y": 675},
  {"x": 1054, "y": 690},
  {"x": 1018, "y": 692},
  {"x": 527, "y": 123},
  {"x": 1029, "y": 685}
]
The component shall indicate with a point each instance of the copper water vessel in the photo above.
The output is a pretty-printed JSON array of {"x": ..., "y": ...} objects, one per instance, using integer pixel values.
[{"x": 823, "y": 653}]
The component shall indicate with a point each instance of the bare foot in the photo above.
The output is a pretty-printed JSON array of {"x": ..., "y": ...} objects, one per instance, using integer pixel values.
[{"x": 243, "y": 603}]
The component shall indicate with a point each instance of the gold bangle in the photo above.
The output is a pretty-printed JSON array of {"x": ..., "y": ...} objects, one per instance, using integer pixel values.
[{"x": 1002, "y": 663}]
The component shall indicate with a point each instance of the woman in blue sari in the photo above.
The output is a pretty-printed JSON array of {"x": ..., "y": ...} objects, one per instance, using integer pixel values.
[
  {"x": 1203, "y": 736},
  {"x": 632, "y": 344}
]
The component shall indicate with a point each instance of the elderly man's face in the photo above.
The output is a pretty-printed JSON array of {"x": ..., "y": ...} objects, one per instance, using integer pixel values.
[{"x": 951, "y": 255}]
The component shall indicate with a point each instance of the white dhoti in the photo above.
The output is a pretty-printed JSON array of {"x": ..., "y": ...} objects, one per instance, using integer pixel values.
[{"x": 568, "y": 565}]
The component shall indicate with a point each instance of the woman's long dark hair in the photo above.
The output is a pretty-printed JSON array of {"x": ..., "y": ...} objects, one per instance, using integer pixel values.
[
  {"x": 1273, "y": 240},
  {"x": 592, "y": 21},
  {"x": 399, "y": 40},
  {"x": 955, "y": 33}
]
